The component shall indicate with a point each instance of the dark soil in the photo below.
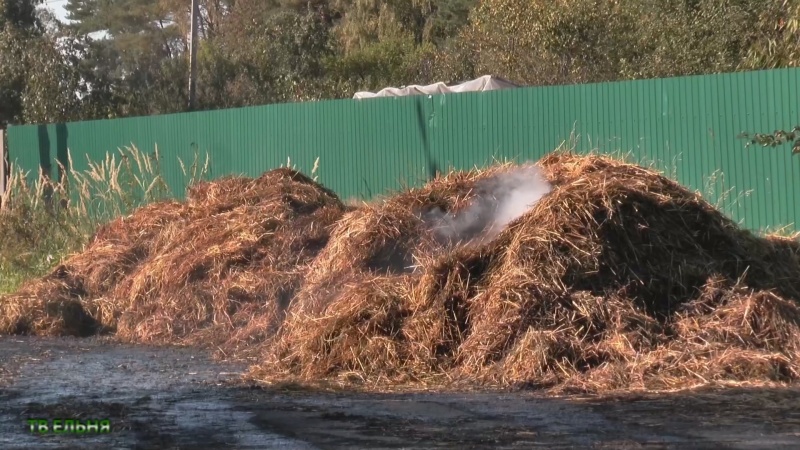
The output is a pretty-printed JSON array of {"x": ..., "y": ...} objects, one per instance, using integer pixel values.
[{"x": 157, "y": 397}]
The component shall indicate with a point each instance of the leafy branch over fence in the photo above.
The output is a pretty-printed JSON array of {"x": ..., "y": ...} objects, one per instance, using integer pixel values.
[{"x": 778, "y": 137}]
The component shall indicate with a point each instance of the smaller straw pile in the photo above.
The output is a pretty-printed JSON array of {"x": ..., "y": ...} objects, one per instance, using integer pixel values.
[{"x": 205, "y": 271}]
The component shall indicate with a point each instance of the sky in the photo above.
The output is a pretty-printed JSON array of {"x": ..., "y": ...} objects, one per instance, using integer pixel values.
[{"x": 57, "y": 6}]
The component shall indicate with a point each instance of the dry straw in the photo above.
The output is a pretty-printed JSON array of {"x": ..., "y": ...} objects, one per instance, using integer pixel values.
[
  {"x": 194, "y": 272},
  {"x": 619, "y": 278},
  {"x": 595, "y": 288}
]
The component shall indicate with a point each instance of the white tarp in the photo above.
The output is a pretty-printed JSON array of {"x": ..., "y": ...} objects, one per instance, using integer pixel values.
[{"x": 484, "y": 83}]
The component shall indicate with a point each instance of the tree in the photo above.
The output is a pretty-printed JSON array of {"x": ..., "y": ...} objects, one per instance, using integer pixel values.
[
  {"x": 365, "y": 22},
  {"x": 18, "y": 27},
  {"x": 577, "y": 41},
  {"x": 392, "y": 43},
  {"x": 447, "y": 19},
  {"x": 140, "y": 56},
  {"x": 543, "y": 42},
  {"x": 129, "y": 57},
  {"x": 267, "y": 52},
  {"x": 54, "y": 86},
  {"x": 393, "y": 61},
  {"x": 776, "y": 33},
  {"x": 20, "y": 14},
  {"x": 690, "y": 37},
  {"x": 12, "y": 74}
]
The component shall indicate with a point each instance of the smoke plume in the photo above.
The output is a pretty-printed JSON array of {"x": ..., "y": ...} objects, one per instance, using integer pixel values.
[{"x": 498, "y": 201}]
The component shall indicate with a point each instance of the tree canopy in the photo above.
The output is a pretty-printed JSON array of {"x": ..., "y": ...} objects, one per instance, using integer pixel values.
[{"x": 117, "y": 58}]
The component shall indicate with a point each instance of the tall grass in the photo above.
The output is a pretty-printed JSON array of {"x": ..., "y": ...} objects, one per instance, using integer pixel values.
[{"x": 44, "y": 220}]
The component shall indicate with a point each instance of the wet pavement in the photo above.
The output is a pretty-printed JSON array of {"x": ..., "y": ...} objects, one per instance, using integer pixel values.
[{"x": 179, "y": 398}]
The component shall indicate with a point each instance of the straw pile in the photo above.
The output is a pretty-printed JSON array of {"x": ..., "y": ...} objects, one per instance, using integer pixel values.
[
  {"x": 201, "y": 272},
  {"x": 617, "y": 278}
]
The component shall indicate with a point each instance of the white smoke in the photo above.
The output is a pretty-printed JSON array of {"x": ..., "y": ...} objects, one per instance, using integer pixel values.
[{"x": 498, "y": 201}]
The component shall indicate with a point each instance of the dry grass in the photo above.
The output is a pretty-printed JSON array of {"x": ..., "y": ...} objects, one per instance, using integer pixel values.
[
  {"x": 618, "y": 279},
  {"x": 44, "y": 220}
]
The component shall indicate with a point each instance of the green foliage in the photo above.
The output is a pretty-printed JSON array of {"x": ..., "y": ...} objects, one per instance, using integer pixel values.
[
  {"x": 778, "y": 137},
  {"x": 140, "y": 66},
  {"x": 20, "y": 14},
  {"x": 38, "y": 80},
  {"x": 577, "y": 41},
  {"x": 264, "y": 51},
  {"x": 364, "y": 22},
  {"x": 12, "y": 74},
  {"x": 681, "y": 37},
  {"x": 19, "y": 26},
  {"x": 776, "y": 41},
  {"x": 392, "y": 61},
  {"x": 283, "y": 62},
  {"x": 53, "y": 86},
  {"x": 447, "y": 19}
]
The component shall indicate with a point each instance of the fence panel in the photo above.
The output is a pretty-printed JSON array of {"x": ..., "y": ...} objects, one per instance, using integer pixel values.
[{"x": 685, "y": 126}]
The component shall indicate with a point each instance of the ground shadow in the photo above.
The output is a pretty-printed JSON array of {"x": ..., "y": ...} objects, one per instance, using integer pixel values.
[
  {"x": 433, "y": 166},
  {"x": 62, "y": 149},
  {"x": 45, "y": 161},
  {"x": 719, "y": 419}
]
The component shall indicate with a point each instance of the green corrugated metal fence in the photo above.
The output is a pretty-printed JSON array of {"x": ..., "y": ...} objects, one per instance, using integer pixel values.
[{"x": 686, "y": 126}]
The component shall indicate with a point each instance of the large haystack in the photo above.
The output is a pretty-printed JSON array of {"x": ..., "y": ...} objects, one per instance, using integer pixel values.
[
  {"x": 598, "y": 286},
  {"x": 203, "y": 271},
  {"x": 615, "y": 278}
]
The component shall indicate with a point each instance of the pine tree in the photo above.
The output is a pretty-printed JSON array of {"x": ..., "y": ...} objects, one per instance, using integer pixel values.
[{"x": 139, "y": 54}]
